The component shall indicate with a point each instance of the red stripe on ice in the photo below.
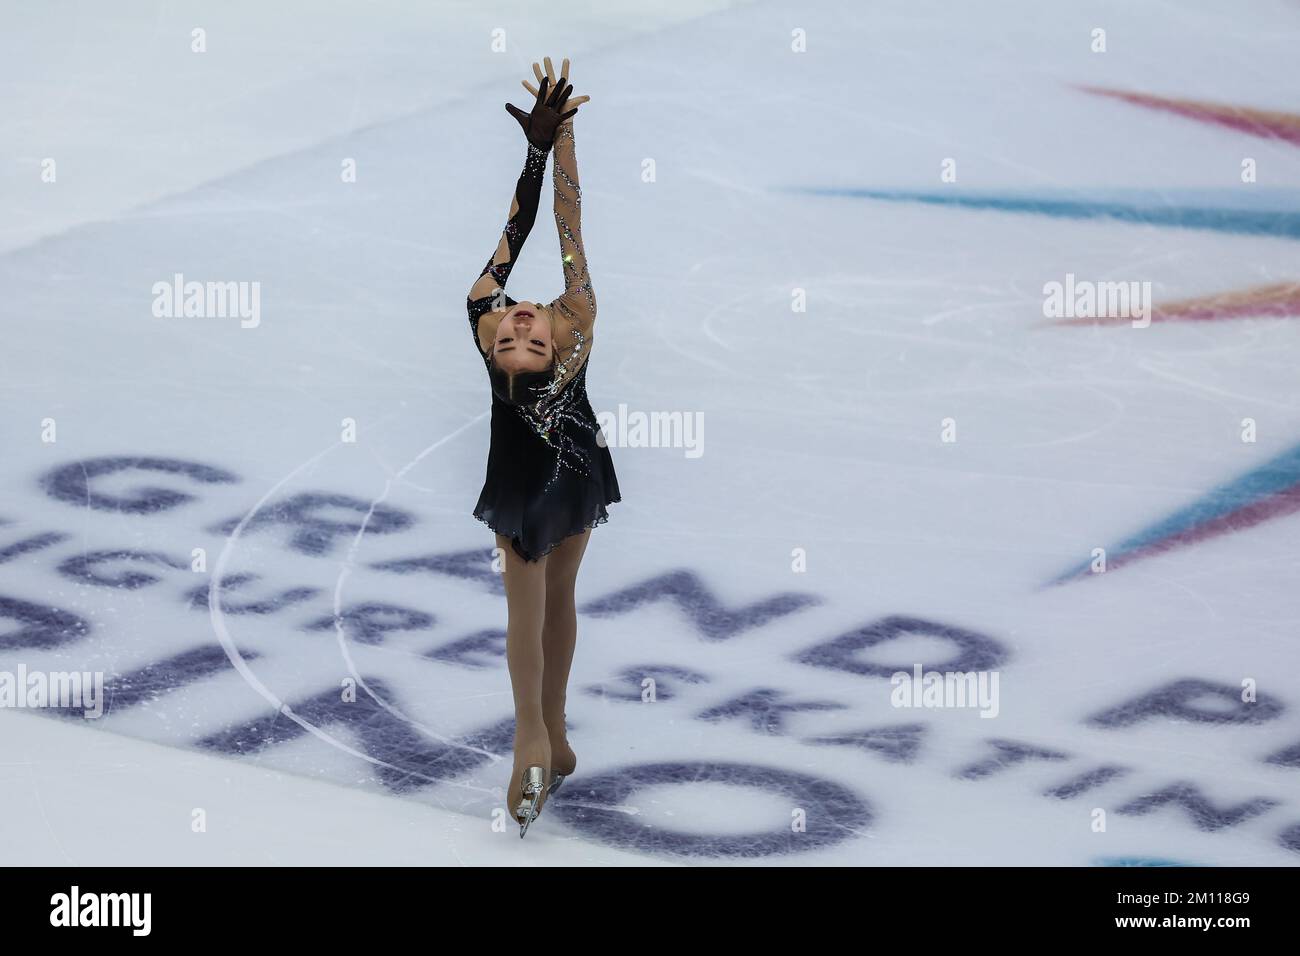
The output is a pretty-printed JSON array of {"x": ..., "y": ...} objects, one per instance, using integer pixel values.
[{"x": 1267, "y": 123}]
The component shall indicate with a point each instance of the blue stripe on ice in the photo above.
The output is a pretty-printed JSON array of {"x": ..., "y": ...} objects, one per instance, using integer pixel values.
[
  {"x": 1136, "y": 861},
  {"x": 1153, "y": 209},
  {"x": 1274, "y": 476}
]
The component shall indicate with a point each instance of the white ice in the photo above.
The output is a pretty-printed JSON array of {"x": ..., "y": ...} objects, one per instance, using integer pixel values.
[{"x": 821, "y": 428}]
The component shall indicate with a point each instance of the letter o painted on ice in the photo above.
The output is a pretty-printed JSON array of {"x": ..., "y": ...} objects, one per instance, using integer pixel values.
[{"x": 593, "y": 807}]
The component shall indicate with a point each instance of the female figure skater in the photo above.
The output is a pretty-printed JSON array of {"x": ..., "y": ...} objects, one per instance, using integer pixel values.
[{"x": 548, "y": 477}]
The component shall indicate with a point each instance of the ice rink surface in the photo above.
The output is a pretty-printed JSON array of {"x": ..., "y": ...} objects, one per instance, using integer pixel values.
[{"x": 821, "y": 230}]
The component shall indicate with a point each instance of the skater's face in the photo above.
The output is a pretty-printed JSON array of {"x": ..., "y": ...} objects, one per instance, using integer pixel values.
[{"x": 523, "y": 342}]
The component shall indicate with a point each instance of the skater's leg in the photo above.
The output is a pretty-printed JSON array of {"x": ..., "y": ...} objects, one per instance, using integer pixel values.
[
  {"x": 525, "y": 583},
  {"x": 559, "y": 635}
]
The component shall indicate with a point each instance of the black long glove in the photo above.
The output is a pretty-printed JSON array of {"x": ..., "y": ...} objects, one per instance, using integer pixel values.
[{"x": 540, "y": 125}]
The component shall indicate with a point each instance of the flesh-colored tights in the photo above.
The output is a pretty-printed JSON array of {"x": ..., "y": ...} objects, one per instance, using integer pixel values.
[{"x": 541, "y": 630}]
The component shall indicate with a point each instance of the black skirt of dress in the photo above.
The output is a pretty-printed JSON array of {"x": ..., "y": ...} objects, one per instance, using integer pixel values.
[{"x": 546, "y": 479}]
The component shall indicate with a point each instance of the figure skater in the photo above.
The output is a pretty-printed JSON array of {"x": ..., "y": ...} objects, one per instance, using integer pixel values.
[{"x": 549, "y": 478}]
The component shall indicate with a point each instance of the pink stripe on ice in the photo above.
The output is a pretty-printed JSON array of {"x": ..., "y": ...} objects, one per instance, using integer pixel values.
[
  {"x": 1266, "y": 123},
  {"x": 1280, "y": 301}
]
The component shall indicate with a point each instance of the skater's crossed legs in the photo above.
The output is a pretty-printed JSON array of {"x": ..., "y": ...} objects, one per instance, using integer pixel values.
[{"x": 541, "y": 631}]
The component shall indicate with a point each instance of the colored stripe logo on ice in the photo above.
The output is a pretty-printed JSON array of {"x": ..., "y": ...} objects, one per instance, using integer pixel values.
[
  {"x": 1269, "y": 491},
  {"x": 1138, "y": 861},
  {"x": 1266, "y": 123},
  {"x": 1153, "y": 211},
  {"x": 1278, "y": 301}
]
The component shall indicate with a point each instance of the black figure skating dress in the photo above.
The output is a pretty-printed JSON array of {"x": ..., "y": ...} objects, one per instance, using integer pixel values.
[{"x": 549, "y": 475}]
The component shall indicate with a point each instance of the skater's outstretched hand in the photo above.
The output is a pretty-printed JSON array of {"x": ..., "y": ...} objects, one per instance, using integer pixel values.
[
  {"x": 570, "y": 104},
  {"x": 547, "y": 113},
  {"x": 554, "y": 104}
]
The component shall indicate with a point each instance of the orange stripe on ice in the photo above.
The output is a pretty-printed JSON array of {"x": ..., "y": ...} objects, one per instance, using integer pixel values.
[
  {"x": 1266, "y": 123},
  {"x": 1278, "y": 301}
]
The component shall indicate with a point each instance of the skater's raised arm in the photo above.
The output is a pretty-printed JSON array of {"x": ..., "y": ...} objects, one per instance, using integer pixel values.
[
  {"x": 578, "y": 301},
  {"x": 488, "y": 292}
]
